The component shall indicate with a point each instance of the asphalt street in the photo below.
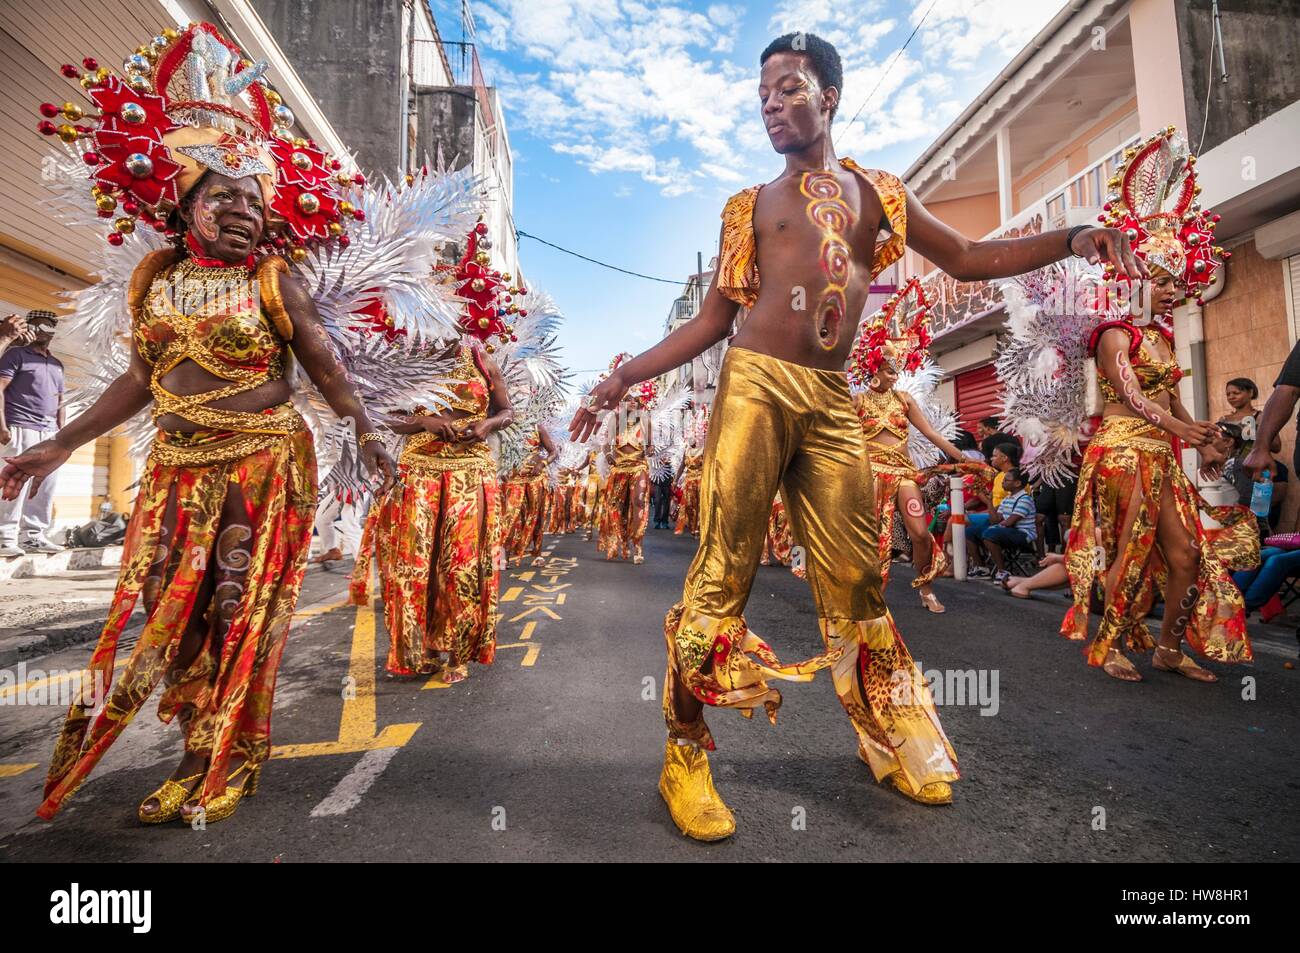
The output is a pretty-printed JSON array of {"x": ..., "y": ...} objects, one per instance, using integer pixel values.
[{"x": 553, "y": 753}]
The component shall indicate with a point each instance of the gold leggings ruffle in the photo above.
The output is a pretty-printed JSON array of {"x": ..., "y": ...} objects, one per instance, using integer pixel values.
[{"x": 777, "y": 424}]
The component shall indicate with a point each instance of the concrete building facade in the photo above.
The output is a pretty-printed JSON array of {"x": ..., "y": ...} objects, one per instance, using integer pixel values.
[{"x": 402, "y": 96}]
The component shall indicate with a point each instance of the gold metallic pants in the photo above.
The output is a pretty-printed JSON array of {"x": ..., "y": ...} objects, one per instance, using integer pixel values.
[{"x": 782, "y": 425}]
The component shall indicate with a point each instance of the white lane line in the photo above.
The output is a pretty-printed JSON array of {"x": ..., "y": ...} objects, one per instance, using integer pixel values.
[{"x": 348, "y": 792}]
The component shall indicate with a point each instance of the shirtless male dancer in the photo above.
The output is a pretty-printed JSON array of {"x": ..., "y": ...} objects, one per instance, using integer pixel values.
[{"x": 783, "y": 419}]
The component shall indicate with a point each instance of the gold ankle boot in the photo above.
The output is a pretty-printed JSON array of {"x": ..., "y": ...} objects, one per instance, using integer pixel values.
[
  {"x": 936, "y": 792},
  {"x": 687, "y": 788}
]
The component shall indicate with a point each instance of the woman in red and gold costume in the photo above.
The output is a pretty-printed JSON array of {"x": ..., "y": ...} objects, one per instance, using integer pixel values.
[
  {"x": 887, "y": 414},
  {"x": 778, "y": 542},
  {"x": 625, "y": 510},
  {"x": 218, "y": 539},
  {"x": 589, "y": 485},
  {"x": 437, "y": 533},
  {"x": 689, "y": 473},
  {"x": 566, "y": 503},
  {"x": 1137, "y": 526},
  {"x": 528, "y": 498}
]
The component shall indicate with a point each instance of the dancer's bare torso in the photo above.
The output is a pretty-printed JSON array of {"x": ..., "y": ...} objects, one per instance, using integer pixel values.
[{"x": 799, "y": 316}]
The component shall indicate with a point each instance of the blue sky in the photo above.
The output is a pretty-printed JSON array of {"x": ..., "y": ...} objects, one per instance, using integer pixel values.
[{"x": 632, "y": 121}]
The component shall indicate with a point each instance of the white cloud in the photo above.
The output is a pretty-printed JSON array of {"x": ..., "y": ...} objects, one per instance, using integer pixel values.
[{"x": 652, "y": 88}]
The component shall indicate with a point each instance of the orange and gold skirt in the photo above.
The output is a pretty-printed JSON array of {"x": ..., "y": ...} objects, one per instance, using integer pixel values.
[
  {"x": 220, "y": 545},
  {"x": 1125, "y": 471}
]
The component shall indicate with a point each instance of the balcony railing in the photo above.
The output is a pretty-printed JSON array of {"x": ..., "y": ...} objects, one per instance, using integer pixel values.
[{"x": 1077, "y": 202}]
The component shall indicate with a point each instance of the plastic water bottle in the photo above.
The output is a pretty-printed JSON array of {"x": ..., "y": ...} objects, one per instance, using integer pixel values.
[{"x": 1261, "y": 495}]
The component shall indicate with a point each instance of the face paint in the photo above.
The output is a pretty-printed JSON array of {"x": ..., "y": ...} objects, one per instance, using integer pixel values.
[
  {"x": 205, "y": 217},
  {"x": 827, "y": 210},
  {"x": 801, "y": 95}
]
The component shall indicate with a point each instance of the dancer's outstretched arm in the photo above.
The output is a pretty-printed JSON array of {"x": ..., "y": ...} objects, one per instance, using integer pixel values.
[
  {"x": 918, "y": 420},
  {"x": 711, "y": 325},
  {"x": 311, "y": 346},
  {"x": 968, "y": 260}
]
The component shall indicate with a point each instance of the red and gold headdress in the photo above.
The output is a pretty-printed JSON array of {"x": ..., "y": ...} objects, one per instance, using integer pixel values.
[
  {"x": 489, "y": 296},
  {"x": 1153, "y": 200},
  {"x": 188, "y": 102},
  {"x": 897, "y": 334}
]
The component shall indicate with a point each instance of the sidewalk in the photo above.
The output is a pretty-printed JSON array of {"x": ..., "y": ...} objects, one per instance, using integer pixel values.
[{"x": 48, "y": 602}]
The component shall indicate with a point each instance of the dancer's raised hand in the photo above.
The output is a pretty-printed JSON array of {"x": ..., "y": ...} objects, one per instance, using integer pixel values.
[{"x": 604, "y": 396}]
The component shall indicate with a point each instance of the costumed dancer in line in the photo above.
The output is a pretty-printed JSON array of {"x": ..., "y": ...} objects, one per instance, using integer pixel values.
[
  {"x": 901, "y": 438},
  {"x": 688, "y": 474},
  {"x": 625, "y": 508},
  {"x": 778, "y": 543},
  {"x": 193, "y": 142},
  {"x": 1137, "y": 527},
  {"x": 565, "y": 514},
  {"x": 783, "y": 417},
  {"x": 535, "y": 383},
  {"x": 436, "y": 533},
  {"x": 589, "y": 501},
  {"x": 528, "y": 497}
]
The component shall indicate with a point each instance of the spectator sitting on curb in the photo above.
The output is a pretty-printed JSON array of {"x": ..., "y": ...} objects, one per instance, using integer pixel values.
[
  {"x": 1052, "y": 575},
  {"x": 1005, "y": 457},
  {"x": 1014, "y": 526},
  {"x": 1261, "y": 586}
]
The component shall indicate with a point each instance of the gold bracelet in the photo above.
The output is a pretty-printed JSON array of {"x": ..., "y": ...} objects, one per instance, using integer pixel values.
[{"x": 365, "y": 438}]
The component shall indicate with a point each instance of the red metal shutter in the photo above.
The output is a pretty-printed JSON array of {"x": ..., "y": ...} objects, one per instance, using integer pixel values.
[{"x": 979, "y": 395}]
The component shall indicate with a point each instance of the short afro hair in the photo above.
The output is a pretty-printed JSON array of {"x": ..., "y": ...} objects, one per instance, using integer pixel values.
[{"x": 825, "y": 60}]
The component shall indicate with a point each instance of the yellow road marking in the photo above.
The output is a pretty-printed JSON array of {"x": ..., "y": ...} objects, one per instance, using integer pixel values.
[
  {"x": 528, "y": 631},
  {"x": 531, "y": 650},
  {"x": 358, "y": 726},
  {"x": 531, "y": 609},
  {"x": 13, "y": 770},
  {"x": 319, "y": 610},
  {"x": 512, "y": 593},
  {"x": 526, "y": 576}
]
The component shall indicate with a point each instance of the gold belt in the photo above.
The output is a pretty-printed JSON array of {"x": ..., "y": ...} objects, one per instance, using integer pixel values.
[
  {"x": 1122, "y": 431},
  {"x": 892, "y": 459},
  {"x": 209, "y": 452}
]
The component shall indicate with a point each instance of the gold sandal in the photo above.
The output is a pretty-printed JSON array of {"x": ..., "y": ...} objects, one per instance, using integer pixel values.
[
  {"x": 224, "y": 804},
  {"x": 1184, "y": 666},
  {"x": 1121, "y": 663},
  {"x": 170, "y": 797}
]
